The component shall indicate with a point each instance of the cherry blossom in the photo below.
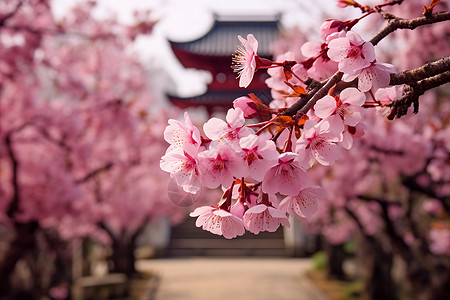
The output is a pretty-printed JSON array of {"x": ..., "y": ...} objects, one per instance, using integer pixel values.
[
  {"x": 262, "y": 217},
  {"x": 375, "y": 76},
  {"x": 351, "y": 52},
  {"x": 286, "y": 177},
  {"x": 344, "y": 3},
  {"x": 347, "y": 105},
  {"x": 319, "y": 141},
  {"x": 229, "y": 131},
  {"x": 244, "y": 61},
  {"x": 182, "y": 165},
  {"x": 218, "y": 221},
  {"x": 177, "y": 134},
  {"x": 220, "y": 165},
  {"x": 319, "y": 66},
  {"x": 440, "y": 240},
  {"x": 247, "y": 105},
  {"x": 305, "y": 204},
  {"x": 331, "y": 26},
  {"x": 389, "y": 94},
  {"x": 259, "y": 155}
]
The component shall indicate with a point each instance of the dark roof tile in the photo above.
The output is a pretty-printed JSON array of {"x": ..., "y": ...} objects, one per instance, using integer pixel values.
[{"x": 222, "y": 38}]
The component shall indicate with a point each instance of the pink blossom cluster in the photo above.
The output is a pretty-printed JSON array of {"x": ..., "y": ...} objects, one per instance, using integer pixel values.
[
  {"x": 247, "y": 166},
  {"x": 262, "y": 155},
  {"x": 264, "y": 179}
]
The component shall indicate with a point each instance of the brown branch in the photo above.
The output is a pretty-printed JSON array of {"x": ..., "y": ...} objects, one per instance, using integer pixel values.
[
  {"x": 302, "y": 106},
  {"x": 423, "y": 72},
  {"x": 412, "y": 92},
  {"x": 14, "y": 204},
  {"x": 420, "y": 239},
  {"x": 397, "y": 240},
  {"x": 398, "y": 23},
  {"x": 53, "y": 140},
  {"x": 356, "y": 220},
  {"x": 412, "y": 184},
  {"x": 94, "y": 173},
  {"x": 378, "y": 200},
  {"x": 11, "y": 14}
]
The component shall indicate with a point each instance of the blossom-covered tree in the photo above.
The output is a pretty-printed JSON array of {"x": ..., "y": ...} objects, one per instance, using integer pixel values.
[{"x": 79, "y": 146}]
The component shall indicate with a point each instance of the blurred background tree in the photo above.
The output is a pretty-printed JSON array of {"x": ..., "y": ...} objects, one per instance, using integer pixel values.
[{"x": 79, "y": 145}]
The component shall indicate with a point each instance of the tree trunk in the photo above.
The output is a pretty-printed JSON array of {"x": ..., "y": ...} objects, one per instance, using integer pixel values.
[
  {"x": 378, "y": 281},
  {"x": 122, "y": 256},
  {"x": 426, "y": 285},
  {"x": 22, "y": 243},
  {"x": 336, "y": 256}
]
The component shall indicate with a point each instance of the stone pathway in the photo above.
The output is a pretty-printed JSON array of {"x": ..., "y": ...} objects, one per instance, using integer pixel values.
[{"x": 233, "y": 279}]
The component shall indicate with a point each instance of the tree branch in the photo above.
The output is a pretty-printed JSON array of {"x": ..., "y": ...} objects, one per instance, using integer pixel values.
[
  {"x": 14, "y": 204},
  {"x": 95, "y": 173},
  {"x": 302, "y": 106},
  {"x": 378, "y": 200},
  {"x": 412, "y": 184},
  {"x": 397, "y": 241},
  {"x": 423, "y": 72},
  {"x": 11, "y": 14},
  {"x": 398, "y": 23},
  {"x": 412, "y": 92}
]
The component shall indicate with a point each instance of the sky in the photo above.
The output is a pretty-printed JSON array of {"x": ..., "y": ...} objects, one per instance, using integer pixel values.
[{"x": 184, "y": 20}]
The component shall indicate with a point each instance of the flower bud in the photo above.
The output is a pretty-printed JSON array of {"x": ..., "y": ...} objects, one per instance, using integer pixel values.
[{"x": 248, "y": 106}]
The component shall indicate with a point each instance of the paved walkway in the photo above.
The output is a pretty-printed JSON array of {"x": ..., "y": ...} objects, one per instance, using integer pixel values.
[{"x": 233, "y": 279}]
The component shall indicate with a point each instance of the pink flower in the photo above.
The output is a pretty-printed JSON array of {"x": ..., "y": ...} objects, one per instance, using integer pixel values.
[
  {"x": 259, "y": 155},
  {"x": 247, "y": 105},
  {"x": 319, "y": 64},
  {"x": 440, "y": 240},
  {"x": 376, "y": 75},
  {"x": 59, "y": 292},
  {"x": 244, "y": 61},
  {"x": 389, "y": 94},
  {"x": 304, "y": 204},
  {"x": 264, "y": 218},
  {"x": 219, "y": 165},
  {"x": 287, "y": 177},
  {"x": 218, "y": 221},
  {"x": 344, "y": 3},
  {"x": 347, "y": 105},
  {"x": 331, "y": 26},
  {"x": 182, "y": 165},
  {"x": 350, "y": 132},
  {"x": 351, "y": 52},
  {"x": 231, "y": 130},
  {"x": 177, "y": 134},
  {"x": 432, "y": 206},
  {"x": 319, "y": 141}
]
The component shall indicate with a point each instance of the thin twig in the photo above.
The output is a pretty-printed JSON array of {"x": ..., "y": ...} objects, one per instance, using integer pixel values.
[
  {"x": 398, "y": 23},
  {"x": 95, "y": 172}
]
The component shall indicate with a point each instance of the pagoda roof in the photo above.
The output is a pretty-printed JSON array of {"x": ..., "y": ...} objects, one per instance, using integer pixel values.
[
  {"x": 215, "y": 98},
  {"x": 222, "y": 40}
]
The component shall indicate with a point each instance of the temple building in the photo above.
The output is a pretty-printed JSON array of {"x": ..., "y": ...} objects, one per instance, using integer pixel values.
[{"x": 213, "y": 53}]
